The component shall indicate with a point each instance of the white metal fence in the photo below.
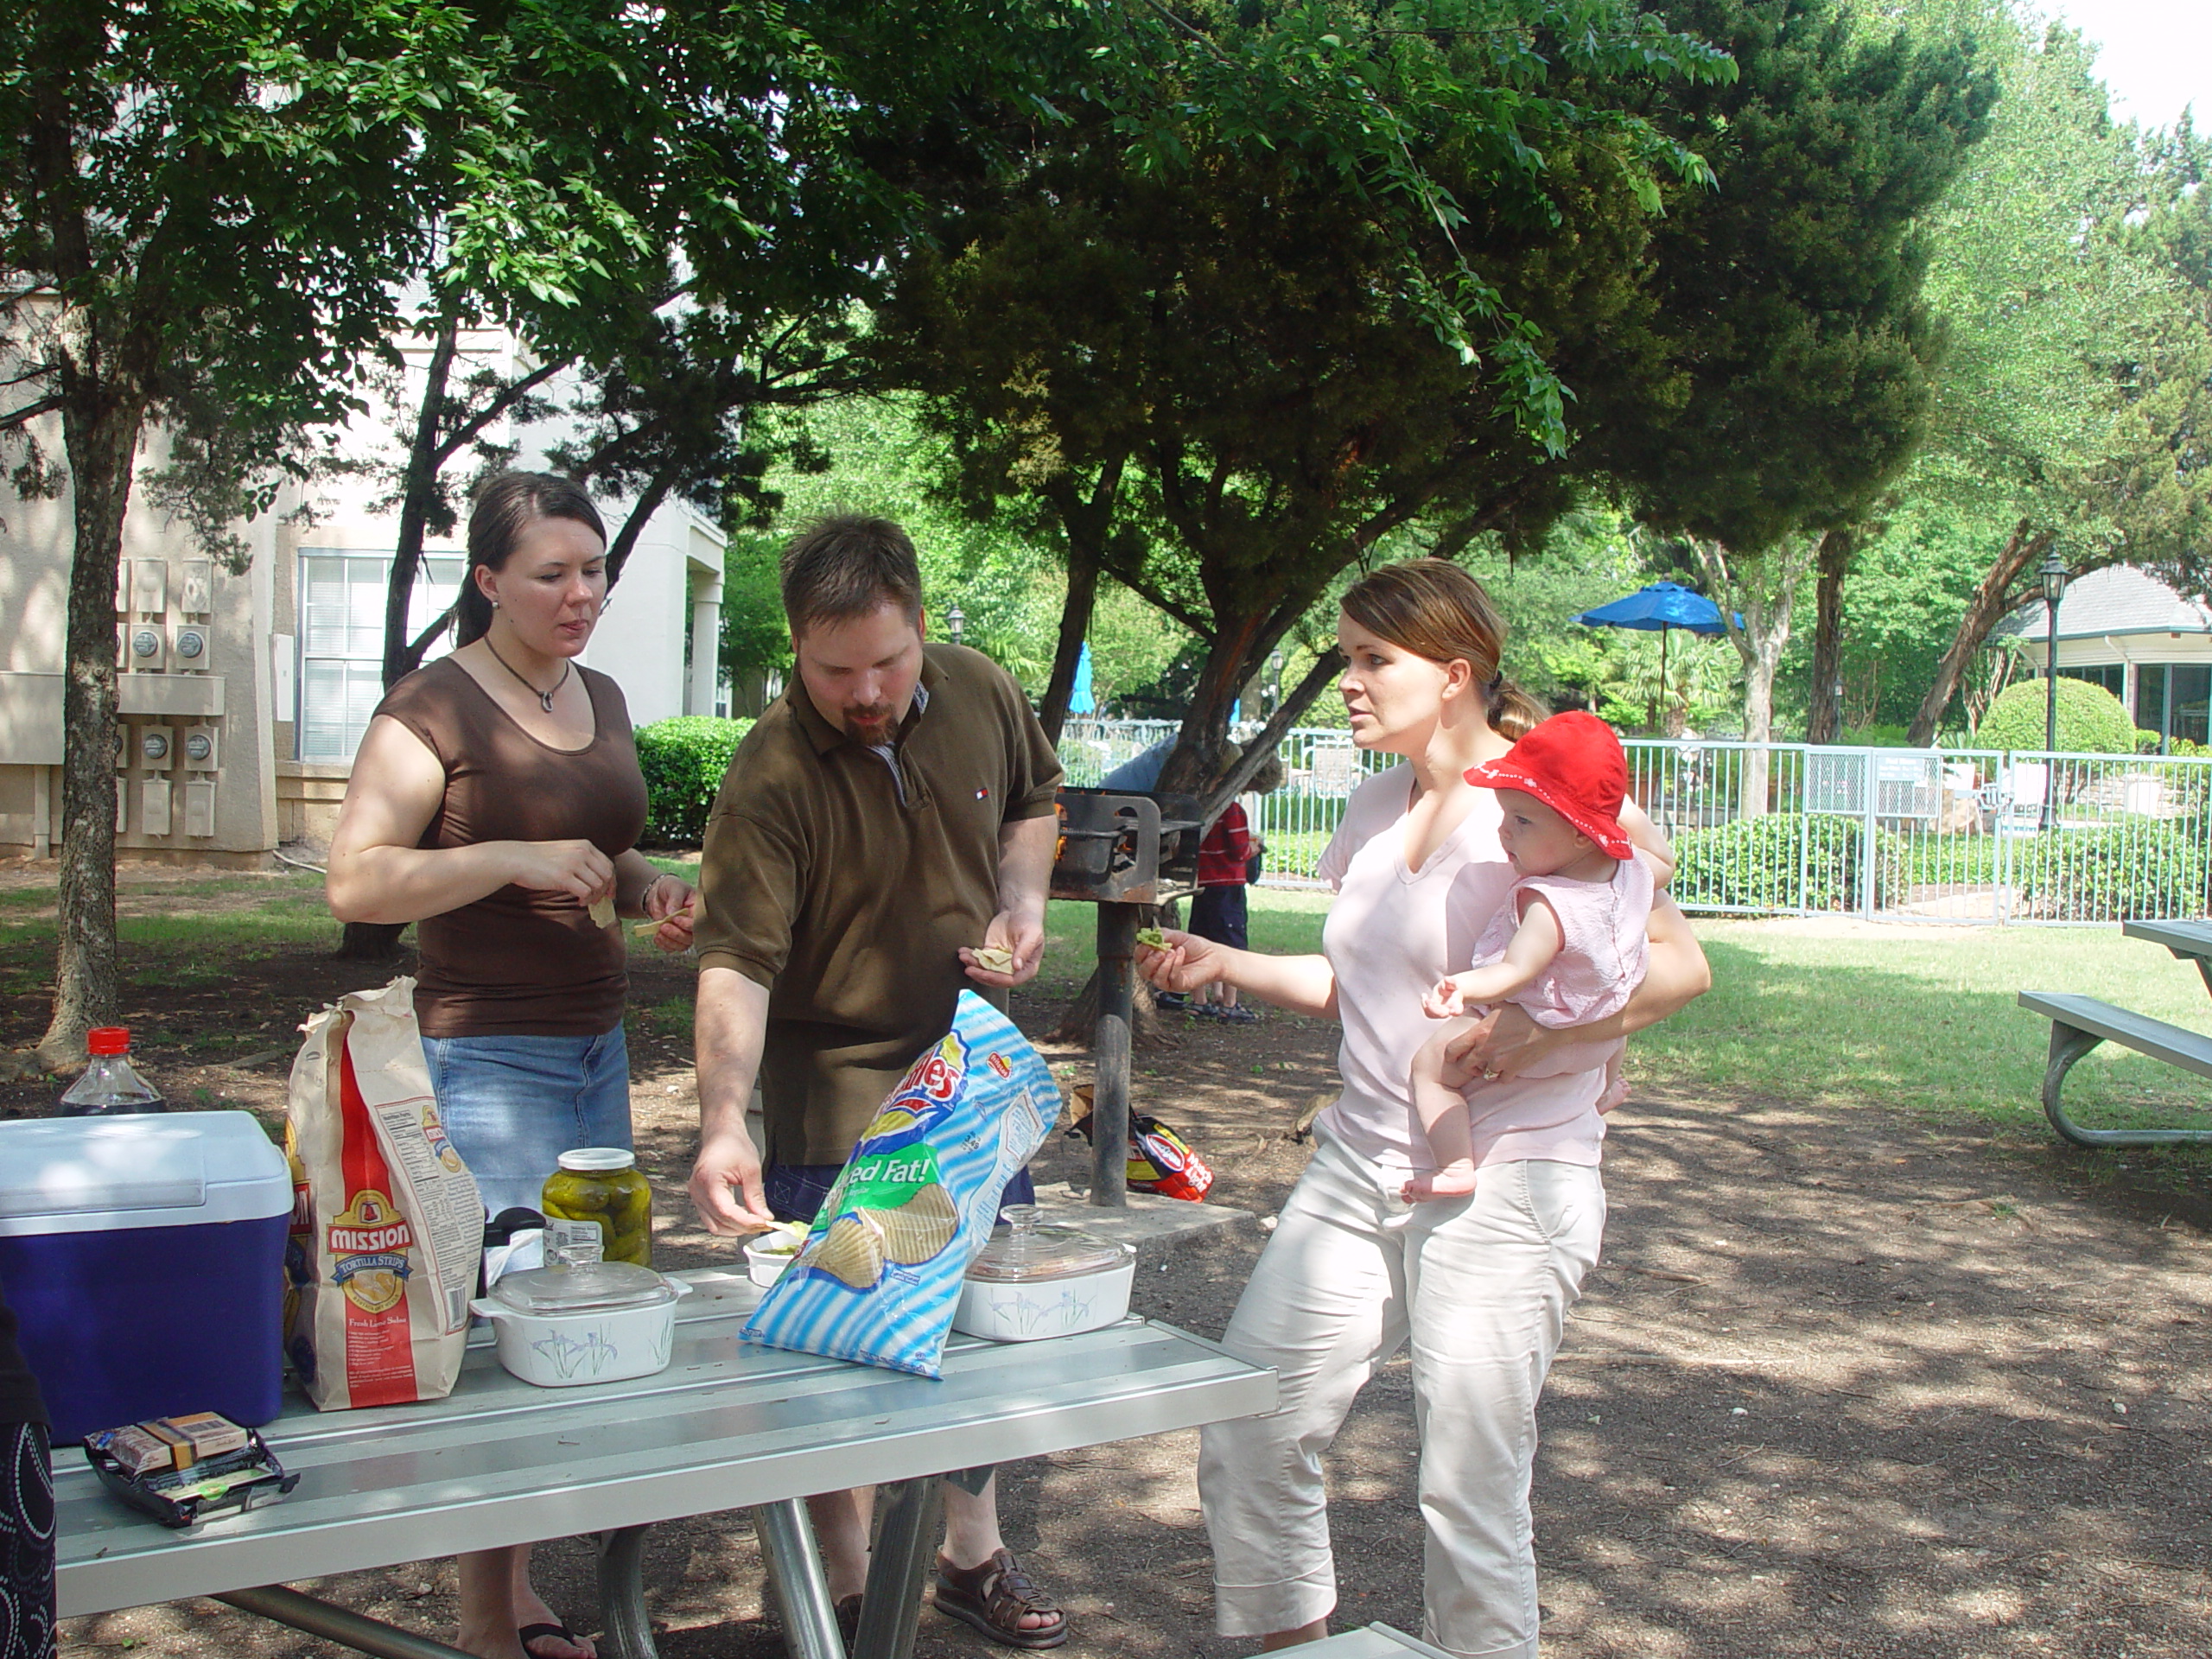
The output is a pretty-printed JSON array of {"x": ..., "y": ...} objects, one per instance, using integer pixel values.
[{"x": 1788, "y": 828}]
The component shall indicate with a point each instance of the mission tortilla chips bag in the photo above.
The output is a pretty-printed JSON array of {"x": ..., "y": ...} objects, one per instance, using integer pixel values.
[
  {"x": 879, "y": 1276},
  {"x": 387, "y": 1227}
]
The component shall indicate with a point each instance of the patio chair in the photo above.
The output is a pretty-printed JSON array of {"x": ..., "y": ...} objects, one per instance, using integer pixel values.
[
  {"x": 2014, "y": 801},
  {"x": 1335, "y": 768}
]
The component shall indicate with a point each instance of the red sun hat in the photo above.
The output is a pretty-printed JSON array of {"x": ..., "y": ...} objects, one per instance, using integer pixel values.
[{"x": 1572, "y": 763}]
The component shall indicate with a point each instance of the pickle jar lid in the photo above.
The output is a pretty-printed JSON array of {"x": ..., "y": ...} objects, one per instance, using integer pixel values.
[
  {"x": 1025, "y": 1251},
  {"x": 587, "y": 1287},
  {"x": 598, "y": 1160}
]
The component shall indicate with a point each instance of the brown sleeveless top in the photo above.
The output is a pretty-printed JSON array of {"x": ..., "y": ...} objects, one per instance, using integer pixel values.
[{"x": 517, "y": 962}]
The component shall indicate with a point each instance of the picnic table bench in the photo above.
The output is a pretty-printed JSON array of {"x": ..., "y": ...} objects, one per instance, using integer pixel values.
[
  {"x": 2078, "y": 1024},
  {"x": 727, "y": 1425}
]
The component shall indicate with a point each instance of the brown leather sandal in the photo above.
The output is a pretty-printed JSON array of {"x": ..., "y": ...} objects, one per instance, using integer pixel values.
[{"x": 994, "y": 1597}]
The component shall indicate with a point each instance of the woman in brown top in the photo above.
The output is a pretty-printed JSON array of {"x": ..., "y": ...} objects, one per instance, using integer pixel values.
[{"x": 496, "y": 797}]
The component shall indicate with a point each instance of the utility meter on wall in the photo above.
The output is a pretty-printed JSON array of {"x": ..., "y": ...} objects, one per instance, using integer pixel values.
[
  {"x": 200, "y": 748},
  {"x": 157, "y": 748},
  {"x": 192, "y": 647},
  {"x": 150, "y": 586},
  {"x": 147, "y": 647}
]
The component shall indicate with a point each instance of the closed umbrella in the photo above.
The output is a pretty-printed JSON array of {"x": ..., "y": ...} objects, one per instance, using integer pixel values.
[{"x": 1664, "y": 605}]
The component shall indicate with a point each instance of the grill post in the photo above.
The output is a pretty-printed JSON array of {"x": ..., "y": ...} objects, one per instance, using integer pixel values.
[{"x": 1110, "y": 1095}]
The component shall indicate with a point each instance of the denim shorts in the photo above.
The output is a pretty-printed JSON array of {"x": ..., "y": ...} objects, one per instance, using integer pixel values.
[
  {"x": 513, "y": 1105},
  {"x": 795, "y": 1191}
]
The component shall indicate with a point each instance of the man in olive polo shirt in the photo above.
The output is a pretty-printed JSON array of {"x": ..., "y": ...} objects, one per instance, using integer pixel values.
[{"x": 891, "y": 813}]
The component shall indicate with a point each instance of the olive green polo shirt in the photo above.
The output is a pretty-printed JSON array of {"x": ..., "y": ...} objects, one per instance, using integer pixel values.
[{"x": 851, "y": 904}]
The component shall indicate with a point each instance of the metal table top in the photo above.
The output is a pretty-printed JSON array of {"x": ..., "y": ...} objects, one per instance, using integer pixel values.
[
  {"x": 2182, "y": 938},
  {"x": 727, "y": 1424}
]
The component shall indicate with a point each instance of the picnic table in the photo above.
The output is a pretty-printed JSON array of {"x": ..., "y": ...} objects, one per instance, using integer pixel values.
[
  {"x": 727, "y": 1425},
  {"x": 2078, "y": 1024}
]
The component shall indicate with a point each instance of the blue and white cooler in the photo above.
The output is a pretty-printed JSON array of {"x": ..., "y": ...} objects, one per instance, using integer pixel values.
[{"x": 144, "y": 1257}]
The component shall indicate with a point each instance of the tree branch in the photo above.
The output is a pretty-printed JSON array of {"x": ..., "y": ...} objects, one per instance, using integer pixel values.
[
  {"x": 29, "y": 412},
  {"x": 465, "y": 434},
  {"x": 1151, "y": 592}
]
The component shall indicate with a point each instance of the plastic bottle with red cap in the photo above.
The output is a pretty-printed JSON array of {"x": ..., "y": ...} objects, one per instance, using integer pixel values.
[{"x": 110, "y": 1085}]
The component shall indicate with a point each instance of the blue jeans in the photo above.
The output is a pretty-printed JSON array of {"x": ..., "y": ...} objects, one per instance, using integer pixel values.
[
  {"x": 795, "y": 1191},
  {"x": 512, "y": 1105}
]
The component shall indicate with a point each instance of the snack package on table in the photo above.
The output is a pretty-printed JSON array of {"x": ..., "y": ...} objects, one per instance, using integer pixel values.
[
  {"x": 387, "y": 1229},
  {"x": 880, "y": 1275}
]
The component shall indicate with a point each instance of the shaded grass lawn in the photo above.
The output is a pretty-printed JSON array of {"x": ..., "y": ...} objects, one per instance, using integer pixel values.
[
  {"x": 1835, "y": 1012},
  {"x": 1826, "y": 1011}
]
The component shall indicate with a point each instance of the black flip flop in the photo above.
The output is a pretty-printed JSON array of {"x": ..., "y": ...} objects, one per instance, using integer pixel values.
[{"x": 530, "y": 1633}]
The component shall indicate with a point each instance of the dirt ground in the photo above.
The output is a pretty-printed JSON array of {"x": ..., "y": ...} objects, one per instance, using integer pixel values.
[{"x": 1844, "y": 1384}]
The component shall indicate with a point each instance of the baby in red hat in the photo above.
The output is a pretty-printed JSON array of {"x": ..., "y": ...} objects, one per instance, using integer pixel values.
[{"x": 1567, "y": 946}]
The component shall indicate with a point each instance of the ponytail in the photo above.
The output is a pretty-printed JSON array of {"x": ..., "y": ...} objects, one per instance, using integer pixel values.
[{"x": 1513, "y": 712}]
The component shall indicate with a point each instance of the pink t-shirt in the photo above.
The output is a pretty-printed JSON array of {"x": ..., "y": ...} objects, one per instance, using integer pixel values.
[
  {"x": 1605, "y": 943},
  {"x": 1392, "y": 933}
]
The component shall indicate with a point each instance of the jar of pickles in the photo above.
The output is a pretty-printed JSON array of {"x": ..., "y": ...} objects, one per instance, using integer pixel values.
[{"x": 598, "y": 1195}]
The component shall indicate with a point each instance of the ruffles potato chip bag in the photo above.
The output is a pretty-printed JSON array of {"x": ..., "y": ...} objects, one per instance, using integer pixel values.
[{"x": 879, "y": 1276}]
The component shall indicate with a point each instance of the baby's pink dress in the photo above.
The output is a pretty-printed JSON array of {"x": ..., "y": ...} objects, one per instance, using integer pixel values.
[{"x": 1605, "y": 943}]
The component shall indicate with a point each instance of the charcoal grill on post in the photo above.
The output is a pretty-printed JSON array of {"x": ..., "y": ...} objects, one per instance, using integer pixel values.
[{"x": 1120, "y": 851}]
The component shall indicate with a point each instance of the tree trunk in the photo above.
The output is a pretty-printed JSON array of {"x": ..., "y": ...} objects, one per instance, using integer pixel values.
[
  {"x": 1075, "y": 625},
  {"x": 1992, "y": 598},
  {"x": 633, "y": 527},
  {"x": 1086, "y": 521},
  {"x": 417, "y": 489},
  {"x": 1824, "y": 718},
  {"x": 100, "y": 430},
  {"x": 1764, "y": 589}
]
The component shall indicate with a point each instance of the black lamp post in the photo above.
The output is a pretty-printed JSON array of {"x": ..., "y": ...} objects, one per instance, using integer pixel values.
[
  {"x": 2053, "y": 572},
  {"x": 956, "y": 619}
]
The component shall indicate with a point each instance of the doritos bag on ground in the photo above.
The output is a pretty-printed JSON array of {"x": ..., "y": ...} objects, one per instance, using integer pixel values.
[
  {"x": 1159, "y": 1159},
  {"x": 387, "y": 1227},
  {"x": 879, "y": 1276}
]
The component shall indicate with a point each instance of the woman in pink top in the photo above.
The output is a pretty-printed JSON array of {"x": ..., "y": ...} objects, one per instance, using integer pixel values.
[{"x": 1478, "y": 1286}]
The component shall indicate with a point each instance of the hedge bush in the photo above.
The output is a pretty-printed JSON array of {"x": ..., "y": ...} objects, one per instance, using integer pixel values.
[
  {"x": 2091, "y": 720},
  {"x": 683, "y": 760},
  {"x": 1753, "y": 863},
  {"x": 2132, "y": 870}
]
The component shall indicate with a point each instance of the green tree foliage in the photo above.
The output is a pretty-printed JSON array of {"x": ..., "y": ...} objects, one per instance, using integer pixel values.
[
  {"x": 867, "y": 455},
  {"x": 2091, "y": 720},
  {"x": 2070, "y": 273},
  {"x": 211, "y": 211},
  {"x": 1790, "y": 346},
  {"x": 1232, "y": 357}
]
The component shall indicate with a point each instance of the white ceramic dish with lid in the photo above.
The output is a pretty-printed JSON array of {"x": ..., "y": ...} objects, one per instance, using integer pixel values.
[
  {"x": 560, "y": 1327},
  {"x": 1033, "y": 1282}
]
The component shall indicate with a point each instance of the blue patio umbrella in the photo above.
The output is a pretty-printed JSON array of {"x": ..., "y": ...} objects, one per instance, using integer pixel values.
[
  {"x": 1080, "y": 700},
  {"x": 1664, "y": 605}
]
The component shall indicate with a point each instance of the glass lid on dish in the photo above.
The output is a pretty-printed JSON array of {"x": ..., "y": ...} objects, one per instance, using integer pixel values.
[
  {"x": 586, "y": 1287},
  {"x": 1026, "y": 1251}
]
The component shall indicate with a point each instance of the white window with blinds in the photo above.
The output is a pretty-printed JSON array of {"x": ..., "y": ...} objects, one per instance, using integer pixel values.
[{"x": 341, "y": 641}]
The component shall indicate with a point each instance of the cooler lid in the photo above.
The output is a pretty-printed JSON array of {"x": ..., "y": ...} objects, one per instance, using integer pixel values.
[
  {"x": 1025, "y": 1252},
  {"x": 586, "y": 1287},
  {"x": 156, "y": 1169}
]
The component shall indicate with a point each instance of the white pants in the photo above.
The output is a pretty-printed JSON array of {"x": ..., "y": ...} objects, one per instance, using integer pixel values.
[{"x": 1481, "y": 1286}]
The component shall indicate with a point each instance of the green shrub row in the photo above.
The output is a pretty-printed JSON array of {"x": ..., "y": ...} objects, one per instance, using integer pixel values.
[
  {"x": 2133, "y": 870},
  {"x": 683, "y": 760},
  {"x": 1753, "y": 863}
]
